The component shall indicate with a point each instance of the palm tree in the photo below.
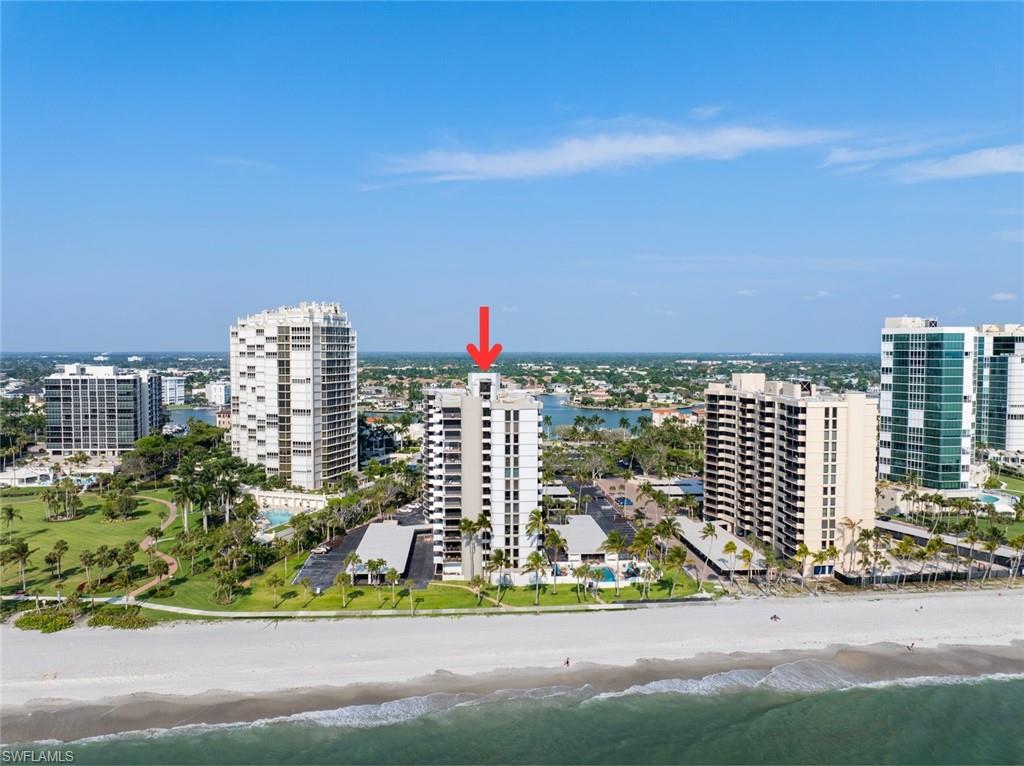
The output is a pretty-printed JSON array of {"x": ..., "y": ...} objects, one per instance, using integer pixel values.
[
  {"x": 535, "y": 565},
  {"x": 468, "y": 529},
  {"x": 708, "y": 532},
  {"x": 497, "y": 563},
  {"x": 227, "y": 488},
  {"x": 204, "y": 495},
  {"x": 556, "y": 542},
  {"x": 391, "y": 577},
  {"x": 351, "y": 563},
  {"x": 667, "y": 529},
  {"x": 581, "y": 572},
  {"x": 375, "y": 567},
  {"x": 747, "y": 557},
  {"x": 477, "y": 583},
  {"x": 972, "y": 539},
  {"x": 802, "y": 554},
  {"x": 730, "y": 549},
  {"x": 675, "y": 560},
  {"x": 87, "y": 558},
  {"x": 182, "y": 491},
  {"x": 537, "y": 525},
  {"x": 20, "y": 552},
  {"x": 343, "y": 580},
  {"x": 996, "y": 537},
  {"x": 615, "y": 543},
  {"x": 60, "y": 548},
  {"x": 275, "y": 582},
  {"x": 9, "y": 513},
  {"x": 307, "y": 588}
]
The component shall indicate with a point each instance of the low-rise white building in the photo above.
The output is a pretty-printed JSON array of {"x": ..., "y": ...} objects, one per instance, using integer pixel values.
[{"x": 218, "y": 393}]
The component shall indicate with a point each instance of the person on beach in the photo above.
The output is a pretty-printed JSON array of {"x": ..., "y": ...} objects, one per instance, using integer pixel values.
[
  {"x": 567, "y": 662},
  {"x": 911, "y": 647},
  {"x": 775, "y": 618}
]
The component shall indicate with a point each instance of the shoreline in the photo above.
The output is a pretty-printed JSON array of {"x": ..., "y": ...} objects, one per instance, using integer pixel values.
[
  {"x": 87, "y": 681},
  {"x": 144, "y": 714}
]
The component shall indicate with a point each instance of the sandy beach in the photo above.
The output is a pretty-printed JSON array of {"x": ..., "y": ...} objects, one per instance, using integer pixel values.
[{"x": 87, "y": 681}]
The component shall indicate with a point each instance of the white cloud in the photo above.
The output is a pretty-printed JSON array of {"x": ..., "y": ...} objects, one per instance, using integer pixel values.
[
  {"x": 819, "y": 295},
  {"x": 705, "y": 112},
  {"x": 509, "y": 309},
  {"x": 1003, "y": 296},
  {"x": 746, "y": 292},
  {"x": 867, "y": 156},
  {"x": 601, "y": 151},
  {"x": 981, "y": 162}
]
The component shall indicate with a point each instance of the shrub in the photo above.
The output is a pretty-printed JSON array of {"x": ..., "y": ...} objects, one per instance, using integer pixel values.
[
  {"x": 46, "y": 621},
  {"x": 119, "y": 617},
  {"x": 164, "y": 591}
]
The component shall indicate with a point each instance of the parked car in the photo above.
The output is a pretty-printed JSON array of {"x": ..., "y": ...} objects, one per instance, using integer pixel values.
[{"x": 320, "y": 549}]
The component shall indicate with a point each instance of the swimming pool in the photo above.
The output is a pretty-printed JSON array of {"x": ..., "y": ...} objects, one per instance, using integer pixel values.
[
  {"x": 276, "y": 516},
  {"x": 990, "y": 499}
]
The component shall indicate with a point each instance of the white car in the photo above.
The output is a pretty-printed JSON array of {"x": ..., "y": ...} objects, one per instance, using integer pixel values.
[{"x": 320, "y": 549}]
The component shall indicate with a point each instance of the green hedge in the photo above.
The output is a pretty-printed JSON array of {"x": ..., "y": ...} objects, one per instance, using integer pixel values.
[
  {"x": 47, "y": 621},
  {"x": 119, "y": 617}
]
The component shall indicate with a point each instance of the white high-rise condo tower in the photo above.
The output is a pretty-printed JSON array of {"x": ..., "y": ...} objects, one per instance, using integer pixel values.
[
  {"x": 293, "y": 393},
  {"x": 481, "y": 460}
]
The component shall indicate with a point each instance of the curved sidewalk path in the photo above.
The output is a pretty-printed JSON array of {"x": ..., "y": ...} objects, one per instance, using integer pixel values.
[{"x": 148, "y": 542}]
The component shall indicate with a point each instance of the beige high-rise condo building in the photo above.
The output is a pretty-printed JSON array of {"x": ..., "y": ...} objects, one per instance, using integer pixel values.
[
  {"x": 293, "y": 393},
  {"x": 789, "y": 465},
  {"x": 481, "y": 459}
]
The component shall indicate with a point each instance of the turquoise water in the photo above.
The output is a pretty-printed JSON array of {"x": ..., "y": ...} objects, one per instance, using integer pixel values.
[
  {"x": 795, "y": 715},
  {"x": 276, "y": 516},
  {"x": 990, "y": 499}
]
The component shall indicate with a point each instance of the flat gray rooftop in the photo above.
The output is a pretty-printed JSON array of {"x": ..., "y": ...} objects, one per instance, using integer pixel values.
[
  {"x": 391, "y": 542},
  {"x": 582, "y": 535},
  {"x": 711, "y": 549}
]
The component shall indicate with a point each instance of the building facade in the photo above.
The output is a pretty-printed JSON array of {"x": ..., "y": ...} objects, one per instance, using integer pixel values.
[
  {"x": 173, "y": 390},
  {"x": 481, "y": 460},
  {"x": 999, "y": 387},
  {"x": 788, "y": 465},
  {"x": 293, "y": 393},
  {"x": 218, "y": 393},
  {"x": 946, "y": 391},
  {"x": 99, "y": 410}
]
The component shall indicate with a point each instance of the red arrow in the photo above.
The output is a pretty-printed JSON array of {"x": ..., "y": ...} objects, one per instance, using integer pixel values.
[{"x": 485, "y": 355}]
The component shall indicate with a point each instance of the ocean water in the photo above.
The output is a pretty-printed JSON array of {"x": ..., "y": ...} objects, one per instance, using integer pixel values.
[{"x": 807, "y": 711}]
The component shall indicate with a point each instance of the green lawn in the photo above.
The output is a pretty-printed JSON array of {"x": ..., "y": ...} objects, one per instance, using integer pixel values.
[
  {"x": 685, "y": 586},
  {"x": 524, "y": 595},
  {"x": 197, "y": 593},
  {"x": 88, "y": 531},
  {"x": 1013, "y": 484},
  {"x": 1012, "y": 528}
]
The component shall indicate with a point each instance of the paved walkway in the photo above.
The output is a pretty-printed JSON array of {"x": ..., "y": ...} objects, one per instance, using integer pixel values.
[
  {"x": 280, "y": 615},
  {"x": 147, "y": 543}
]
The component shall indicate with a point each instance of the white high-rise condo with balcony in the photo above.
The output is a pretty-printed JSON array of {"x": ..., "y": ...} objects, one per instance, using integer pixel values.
[
  {"x": 173, "y": 389},
  {"x": 293, "y": 393},
  {"x": 99, "y": 410},
  {"x": 789, "y": 465},
  {"x": 481, "y": 460}
]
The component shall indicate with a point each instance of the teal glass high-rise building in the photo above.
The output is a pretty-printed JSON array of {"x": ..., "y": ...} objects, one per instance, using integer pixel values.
[{"x": 946, "y": 391}]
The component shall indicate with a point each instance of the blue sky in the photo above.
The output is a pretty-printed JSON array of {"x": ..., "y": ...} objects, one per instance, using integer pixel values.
[{"x": 605, "y": 177}]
